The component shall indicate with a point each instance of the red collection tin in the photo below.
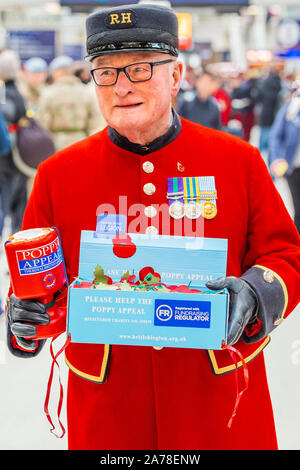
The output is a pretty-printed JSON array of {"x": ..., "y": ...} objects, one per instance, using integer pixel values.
[{"x": 35, "y": 262}]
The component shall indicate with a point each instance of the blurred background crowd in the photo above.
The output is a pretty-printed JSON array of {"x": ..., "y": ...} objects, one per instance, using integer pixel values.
[{"x": 47, "y": 101}]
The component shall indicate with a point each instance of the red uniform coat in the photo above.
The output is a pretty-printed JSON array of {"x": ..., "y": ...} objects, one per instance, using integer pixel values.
[{"x": 134, "y": 397}]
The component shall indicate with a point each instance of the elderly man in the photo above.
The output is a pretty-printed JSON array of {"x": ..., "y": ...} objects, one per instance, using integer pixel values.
[{"x": 134, "y": 397}]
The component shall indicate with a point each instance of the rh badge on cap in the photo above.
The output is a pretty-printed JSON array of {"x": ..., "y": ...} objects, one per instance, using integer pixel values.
[{"x": 123, "y": 19}]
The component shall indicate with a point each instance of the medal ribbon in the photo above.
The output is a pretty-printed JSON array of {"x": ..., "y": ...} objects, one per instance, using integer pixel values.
[
  {"x": 175, "y": 190},
  {"x": 186, "y": 190},
  {"x": 191, "y": 189},
  {"x": 207, "y": 189},
  {"x": 197, "y": 189},
  {"x": 233, "y": 353}
]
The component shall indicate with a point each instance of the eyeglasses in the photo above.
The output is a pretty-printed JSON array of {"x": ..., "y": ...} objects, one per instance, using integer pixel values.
[{"x": 139, "y": 72}]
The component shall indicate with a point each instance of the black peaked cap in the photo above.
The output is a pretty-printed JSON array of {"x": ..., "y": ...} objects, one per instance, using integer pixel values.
[{"x": 132, "y": 27}]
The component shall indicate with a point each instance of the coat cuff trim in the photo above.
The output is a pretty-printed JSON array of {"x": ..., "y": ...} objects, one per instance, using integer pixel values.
[
  {"x": 101, "y": 379},
  {"x": 224, "y": 370},
  {"x": 282, "y": 283}
]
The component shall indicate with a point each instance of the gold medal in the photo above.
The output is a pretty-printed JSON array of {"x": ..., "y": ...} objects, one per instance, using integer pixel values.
[
  {"x": 176, "y": 210},
  {"x": 208, "y": 210},
  {"x": 192, "y": 210}
]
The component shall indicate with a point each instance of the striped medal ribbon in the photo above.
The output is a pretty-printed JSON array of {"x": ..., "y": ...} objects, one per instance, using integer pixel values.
[
  {"x": 208, "y": 196},
  {"x": 192, "y": 196},
  {"x": 175, "y": 197},
  {"x": 192, "y": 208}
]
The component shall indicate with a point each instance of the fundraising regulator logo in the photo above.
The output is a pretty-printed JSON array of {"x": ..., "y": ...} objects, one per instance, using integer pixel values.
[
  {"x": 164, "y": 313},
  {"x": 182, "y": 313}
]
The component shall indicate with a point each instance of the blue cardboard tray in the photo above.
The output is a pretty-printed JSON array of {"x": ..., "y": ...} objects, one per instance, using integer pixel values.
[{"x": 187, "y": 320}]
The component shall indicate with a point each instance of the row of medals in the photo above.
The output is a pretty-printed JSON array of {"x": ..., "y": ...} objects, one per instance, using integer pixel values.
[{"x": 192, "y": 210}]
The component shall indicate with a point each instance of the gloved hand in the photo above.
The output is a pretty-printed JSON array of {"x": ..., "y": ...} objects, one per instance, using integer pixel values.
[
  {"x": 243, "y": 305},
  {"x": 31, "y": 322}
]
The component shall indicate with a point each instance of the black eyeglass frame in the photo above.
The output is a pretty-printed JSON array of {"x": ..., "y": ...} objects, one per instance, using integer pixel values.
[{"x": 123, "y": 69}]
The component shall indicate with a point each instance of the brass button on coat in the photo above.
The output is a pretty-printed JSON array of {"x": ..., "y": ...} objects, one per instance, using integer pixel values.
[
  {"x": 149, "y": 189},
  {"x": 150, "y": 211},
  {"x": 151, "y": 230},
  {"x": 269, "y": 276},
  {"x": 148, "y": 167}
]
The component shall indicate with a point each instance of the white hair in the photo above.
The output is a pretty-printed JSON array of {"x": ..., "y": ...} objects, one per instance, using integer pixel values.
[{"x": 9, "y": 65}]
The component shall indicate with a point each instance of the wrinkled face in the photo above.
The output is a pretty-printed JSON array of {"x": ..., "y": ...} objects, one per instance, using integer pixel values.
[{"x": 142, "y": 105}]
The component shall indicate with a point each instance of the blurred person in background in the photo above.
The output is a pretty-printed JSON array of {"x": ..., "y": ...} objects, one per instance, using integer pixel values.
[
  {"x": 284, "y": 148},
  {"x": 61, "y": 112},
  {"x": 203, "y": 108},
  {"x": 5, "y": 147},
  {"x": 12, "y": 181},
  {"x": 243, "y": 99},
  {"x": 82, "y": 71},
  {"x": 288, "y": 80},
  {"x": 269, "y": 102},
  {"x": 187, "y": 89},
  {"x": 223, "y": 100},
  {"x": 34, "y": 76},
  {"x": 189, "y": 79}
]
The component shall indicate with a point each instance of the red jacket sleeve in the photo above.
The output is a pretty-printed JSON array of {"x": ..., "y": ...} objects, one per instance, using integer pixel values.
[{"x": 272, "y": 262}]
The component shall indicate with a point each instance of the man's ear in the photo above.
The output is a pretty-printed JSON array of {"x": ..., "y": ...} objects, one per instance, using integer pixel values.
[{"x": 177, "y": 77}]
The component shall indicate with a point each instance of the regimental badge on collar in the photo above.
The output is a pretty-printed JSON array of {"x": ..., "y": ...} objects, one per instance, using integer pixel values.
[
  {"x": 180, "y": 167},
  {"x": 192, "y": 197}
]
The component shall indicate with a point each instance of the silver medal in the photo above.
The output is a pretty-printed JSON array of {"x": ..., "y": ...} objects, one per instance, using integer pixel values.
[
  {"x": 176, "y": 210},
  {"x": 192, "y": 210}
]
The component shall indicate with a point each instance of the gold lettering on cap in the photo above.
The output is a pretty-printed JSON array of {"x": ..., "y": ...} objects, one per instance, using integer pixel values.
[
  {"x": 126, "y": 17},
  {"x": 114, "y": 18}
]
